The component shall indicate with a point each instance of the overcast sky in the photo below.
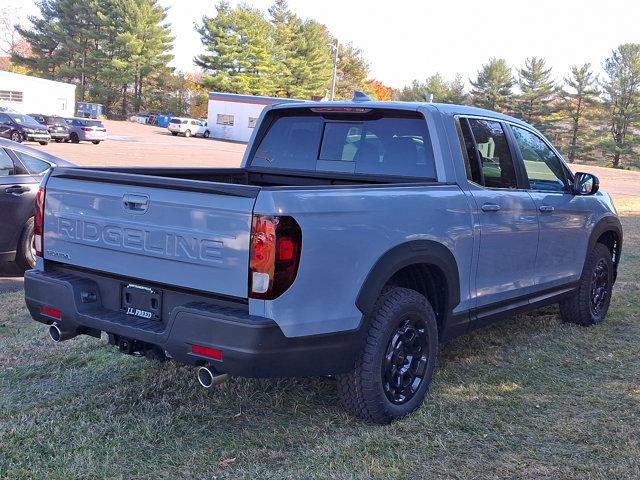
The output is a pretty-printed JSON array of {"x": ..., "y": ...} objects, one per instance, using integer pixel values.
[{"x": 407, "y": 39}]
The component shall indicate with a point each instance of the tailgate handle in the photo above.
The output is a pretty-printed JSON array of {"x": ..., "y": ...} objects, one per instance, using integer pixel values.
[{"x": 135, "y": 203}]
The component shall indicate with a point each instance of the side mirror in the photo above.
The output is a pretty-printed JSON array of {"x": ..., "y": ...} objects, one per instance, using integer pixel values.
[{"x": 585, "y": 184}]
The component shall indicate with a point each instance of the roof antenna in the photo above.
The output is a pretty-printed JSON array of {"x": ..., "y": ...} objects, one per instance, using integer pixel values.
[{"x": 359, "y": 96}]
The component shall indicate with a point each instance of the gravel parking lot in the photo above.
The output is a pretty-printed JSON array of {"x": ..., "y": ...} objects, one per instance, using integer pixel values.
[{"x": 133, "y": 144}]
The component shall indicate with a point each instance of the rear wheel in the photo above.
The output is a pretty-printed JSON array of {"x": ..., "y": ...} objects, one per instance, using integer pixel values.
[
  {"x": 206, "y": 134},
  {"x": 392, "y": 375},
  {"x": 26, "y": 254},
  {"x": 174, "y": 133},
  {"x": 187, "y": 133},
  {"x": 589, "y": 304},
  {"x": 95, "y": 142},
  {"x": 58, "y": 140},
  {"x": 74, "y": 138},
  {"x": 43, "y": 143},
  {"x": 16, "y": 137}
]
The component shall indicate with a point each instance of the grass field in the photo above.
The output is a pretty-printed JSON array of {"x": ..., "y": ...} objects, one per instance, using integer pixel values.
[{"x": 528, "y": 398}]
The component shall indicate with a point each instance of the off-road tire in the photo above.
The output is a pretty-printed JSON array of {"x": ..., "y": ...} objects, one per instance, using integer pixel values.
[
  {"x": 361, "y": 391},
  {"x": 578, "y": 307},
  {"x": 25, "y": 259}
]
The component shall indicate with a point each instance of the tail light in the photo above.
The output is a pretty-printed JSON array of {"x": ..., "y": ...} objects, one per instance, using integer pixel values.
[
  {"x": 86, "y": 129},
  {"x": 38, "y": 224},
  {"x": 276, "y": 243}
]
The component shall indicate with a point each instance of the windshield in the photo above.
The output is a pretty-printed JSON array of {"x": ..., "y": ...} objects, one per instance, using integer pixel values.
[
  {"x": 377, "y": 143},
  {"x": 23, "y": 119},
  {"x": 55, "y": 121}
]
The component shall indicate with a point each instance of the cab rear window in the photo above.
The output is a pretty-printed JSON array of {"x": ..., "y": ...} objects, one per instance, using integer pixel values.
[{"x": 391, "y": 144}]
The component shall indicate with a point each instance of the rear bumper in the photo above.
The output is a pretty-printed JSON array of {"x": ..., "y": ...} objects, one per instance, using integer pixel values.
[
  {"x": 59, "y": 135},
  {"x": 38, "y": 137},
  {"x": 251, "y": 346}
]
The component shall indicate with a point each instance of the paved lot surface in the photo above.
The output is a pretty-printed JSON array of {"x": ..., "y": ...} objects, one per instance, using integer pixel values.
[{"x": 132, "y": 144}]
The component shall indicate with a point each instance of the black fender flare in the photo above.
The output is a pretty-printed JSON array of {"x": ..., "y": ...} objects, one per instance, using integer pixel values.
[
  {"x": 608, "y": 223},
  {"x": 413, "y": 252}
]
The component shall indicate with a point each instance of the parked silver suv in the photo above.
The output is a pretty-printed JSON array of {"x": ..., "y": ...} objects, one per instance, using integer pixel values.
[{"x": 86, "y": 130}]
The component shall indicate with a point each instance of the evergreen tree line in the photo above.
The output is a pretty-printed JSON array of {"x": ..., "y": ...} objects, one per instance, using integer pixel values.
[
  {"x": 276, "y": 54},
  {"x": 587, "y": 117},
  {"x": 115, "y": 51}
]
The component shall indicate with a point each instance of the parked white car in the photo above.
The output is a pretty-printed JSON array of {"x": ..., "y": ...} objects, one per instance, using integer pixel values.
[{"x": 188, "y": 127}]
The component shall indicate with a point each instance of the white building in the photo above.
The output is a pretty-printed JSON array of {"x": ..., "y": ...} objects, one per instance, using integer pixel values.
[
  {"x": 233, "y": 117},
  {"x": 25, "y": 94}
]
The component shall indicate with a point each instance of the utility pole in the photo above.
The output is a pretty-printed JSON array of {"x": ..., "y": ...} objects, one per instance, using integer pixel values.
[{"x": 334, "y": 47}]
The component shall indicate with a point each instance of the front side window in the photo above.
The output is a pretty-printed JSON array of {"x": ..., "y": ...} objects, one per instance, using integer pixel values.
[
  {"x": 393, "y": 145},
  {"x": 6, "y": 164},
  {"x": 544, "y": 168},
  {"x": 493, "y": 152}
]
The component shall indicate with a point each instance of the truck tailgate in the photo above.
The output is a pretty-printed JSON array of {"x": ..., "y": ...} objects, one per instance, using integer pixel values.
[{"x": 184, "y": 233}]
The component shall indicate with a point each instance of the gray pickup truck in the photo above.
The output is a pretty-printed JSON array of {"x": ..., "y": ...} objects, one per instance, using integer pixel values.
[{"x": 354, "y": 239}]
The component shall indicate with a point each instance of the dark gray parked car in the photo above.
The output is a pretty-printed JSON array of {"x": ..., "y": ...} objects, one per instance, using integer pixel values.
[{"x": 21, "y": 169}]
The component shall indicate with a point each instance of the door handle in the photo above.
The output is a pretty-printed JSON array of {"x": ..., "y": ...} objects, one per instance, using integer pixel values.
[
  {"x": 489, "y": 207},
  {"x": 16, "y": 190},
  {"x": 546, "y": 208}
]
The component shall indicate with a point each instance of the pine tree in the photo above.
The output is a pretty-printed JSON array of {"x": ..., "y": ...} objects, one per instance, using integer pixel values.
[
  {"x": 537, "y": 90},
  {"x": 621, "y": 88},
  {"x": 492, "y": 87},
  {"x": 238, "y": 43},
  {"x": 352, "y": 72},
  {"x": 578, "y": 101}
]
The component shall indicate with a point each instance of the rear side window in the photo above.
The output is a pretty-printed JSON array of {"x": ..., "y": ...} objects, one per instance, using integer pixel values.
[
  {"x": 487, "y": 150},
  {"x": 6, "y": 164},
  {"x": 34, "y": 165},
  {"x": 393, "y": 145}
]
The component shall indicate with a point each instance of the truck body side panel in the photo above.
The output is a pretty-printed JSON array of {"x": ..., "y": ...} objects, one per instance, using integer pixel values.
[{"x": 345, "y": 232}]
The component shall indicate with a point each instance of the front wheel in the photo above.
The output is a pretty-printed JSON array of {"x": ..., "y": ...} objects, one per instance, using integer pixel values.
[
  {"x": 187, "y": 133},
  {"x": 174, "y": 133},
  {"x": 74, "y": 138},
  {"x": 16, "y": 137},
  {"x": 206, "y": 134},
  {"x": 58, "y": 140},
  {"x": 43, "y": 143},
  {"x": 393, "y": 372},
  {"x": 96, "y": 142},
  {"x": 589, "y": 304}
]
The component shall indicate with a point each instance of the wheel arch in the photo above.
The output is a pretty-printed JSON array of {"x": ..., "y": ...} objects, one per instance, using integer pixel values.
[
  {"x": 608, "y": 231},
  {"x": 426, "y": 266}
]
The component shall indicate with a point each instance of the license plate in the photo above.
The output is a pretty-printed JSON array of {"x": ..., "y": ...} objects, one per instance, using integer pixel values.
[{"x": 141, "y": 301}]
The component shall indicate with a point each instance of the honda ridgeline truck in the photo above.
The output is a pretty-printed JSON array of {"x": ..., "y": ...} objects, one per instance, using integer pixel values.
[{"x": 354, "y": 239}]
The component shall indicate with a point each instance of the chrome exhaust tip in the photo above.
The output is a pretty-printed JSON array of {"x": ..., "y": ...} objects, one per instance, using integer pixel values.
[
  {"x": 208, "y": 377},
  {"x": 58, "y": 335}
]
